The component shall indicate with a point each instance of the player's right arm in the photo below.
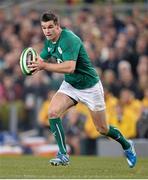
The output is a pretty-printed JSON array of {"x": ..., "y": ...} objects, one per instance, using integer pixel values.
[
  {"x": 70, "y": 55},
  {"x": 64, "y": 67}
]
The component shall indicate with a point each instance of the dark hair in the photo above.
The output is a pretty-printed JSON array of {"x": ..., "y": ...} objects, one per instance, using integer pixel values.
[{"x": 49, "y": 16}]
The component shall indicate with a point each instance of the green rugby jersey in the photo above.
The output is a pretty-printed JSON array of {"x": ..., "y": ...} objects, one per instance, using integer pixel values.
[{"x": 70, "y": 47}]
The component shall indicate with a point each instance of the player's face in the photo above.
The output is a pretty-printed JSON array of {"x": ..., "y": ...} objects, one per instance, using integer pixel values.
[{"x": 50, "y": 30}]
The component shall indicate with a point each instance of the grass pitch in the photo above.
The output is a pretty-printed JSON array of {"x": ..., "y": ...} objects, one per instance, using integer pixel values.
[{"x": 81, "y": 167}]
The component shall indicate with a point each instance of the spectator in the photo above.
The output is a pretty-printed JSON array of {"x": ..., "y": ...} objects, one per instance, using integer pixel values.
[
  {"x": 142, "y": 124},
  {"x": 142, "y": 71},
  {"x": 126, "y": 79},
  {"x": 125, "y": 114},
  {"x": 111, "y": 62},
  {"x": 140, "y": 50}
]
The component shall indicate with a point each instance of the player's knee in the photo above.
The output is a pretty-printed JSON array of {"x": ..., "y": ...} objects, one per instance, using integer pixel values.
[
  {"x": 53, "y": 114},
  {"x": 102, "y": 130}
]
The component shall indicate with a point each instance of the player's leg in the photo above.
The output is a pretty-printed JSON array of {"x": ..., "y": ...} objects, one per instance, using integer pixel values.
[
  {"x": 94, "y": 99},
  {"x": 99, "y": 119},
  {"x": 59, "y": 104}
]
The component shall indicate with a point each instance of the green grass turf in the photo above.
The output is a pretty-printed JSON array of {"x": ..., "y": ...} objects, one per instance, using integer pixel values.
[{"x": 82, "y": 167}]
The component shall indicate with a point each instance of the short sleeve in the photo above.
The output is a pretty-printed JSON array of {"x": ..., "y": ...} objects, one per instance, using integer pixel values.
[
  {"x": 45, "y": 55},
  {"x": 71, "y": 49}
]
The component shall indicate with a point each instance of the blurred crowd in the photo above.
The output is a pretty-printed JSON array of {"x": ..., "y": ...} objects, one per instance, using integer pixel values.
[{"x": 118, "y": 48}]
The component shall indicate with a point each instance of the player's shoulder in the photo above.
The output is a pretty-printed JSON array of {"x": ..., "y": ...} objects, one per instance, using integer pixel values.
[{"x": 67, "y": 33}]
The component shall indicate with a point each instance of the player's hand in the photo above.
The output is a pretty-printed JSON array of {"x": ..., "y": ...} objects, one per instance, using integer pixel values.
[{"x": 36, "y": 66}]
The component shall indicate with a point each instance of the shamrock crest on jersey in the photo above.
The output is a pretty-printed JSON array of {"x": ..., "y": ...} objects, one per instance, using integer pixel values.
[{"x": 60, "y": 50}]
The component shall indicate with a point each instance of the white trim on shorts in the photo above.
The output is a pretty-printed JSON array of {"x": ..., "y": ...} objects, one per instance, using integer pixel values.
[{"x": 92, "y": 97}]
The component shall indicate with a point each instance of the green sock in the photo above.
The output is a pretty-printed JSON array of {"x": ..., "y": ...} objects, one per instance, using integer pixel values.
[
  {"x": 116, "y": 135},
  {"x": 58, "y": 132}
]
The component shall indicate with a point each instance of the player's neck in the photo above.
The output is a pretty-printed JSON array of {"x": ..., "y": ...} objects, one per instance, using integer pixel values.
[{"x": 58, "y": 35}]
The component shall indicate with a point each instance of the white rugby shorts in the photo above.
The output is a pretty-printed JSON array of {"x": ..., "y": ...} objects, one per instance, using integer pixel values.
[{"x": 92, "y": 97}]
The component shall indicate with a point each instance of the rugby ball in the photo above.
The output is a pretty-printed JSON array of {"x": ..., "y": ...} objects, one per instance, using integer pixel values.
[{"x": 28, "y": 54}]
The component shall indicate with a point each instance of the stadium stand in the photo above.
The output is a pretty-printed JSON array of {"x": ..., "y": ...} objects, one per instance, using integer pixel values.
[{"x": 117, "y": 43}]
